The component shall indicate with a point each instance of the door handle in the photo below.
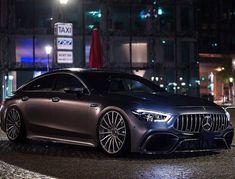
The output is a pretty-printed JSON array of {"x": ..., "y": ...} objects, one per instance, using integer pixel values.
[
  {"x": 55, "y": 99},
  {"x": 25, "y": 98},
  {"x": 94, "y": 105}
]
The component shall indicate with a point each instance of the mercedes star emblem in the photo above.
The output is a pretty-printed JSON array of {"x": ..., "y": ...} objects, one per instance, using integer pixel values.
[{"x": 207, "y": 123}]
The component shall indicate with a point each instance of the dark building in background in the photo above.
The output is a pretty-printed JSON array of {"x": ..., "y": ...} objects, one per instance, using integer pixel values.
[
  {"x": 216, "y": 27},
  {"x": 156, "y": 39}
]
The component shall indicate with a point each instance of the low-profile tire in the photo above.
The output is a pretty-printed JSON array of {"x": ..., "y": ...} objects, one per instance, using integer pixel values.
[
  {"x": 113, "y": 134},
  {"x": 15, "y": 128}
]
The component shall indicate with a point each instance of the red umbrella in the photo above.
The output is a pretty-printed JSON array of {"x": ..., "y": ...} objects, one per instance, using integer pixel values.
[{"x": 95, "y": 58}]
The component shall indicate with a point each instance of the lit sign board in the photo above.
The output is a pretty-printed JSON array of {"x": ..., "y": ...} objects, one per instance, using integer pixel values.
[
  {"x": 64, "y": 29},
  {"x": 64, "y": 57},
  {"x": 64, "y": 43}
]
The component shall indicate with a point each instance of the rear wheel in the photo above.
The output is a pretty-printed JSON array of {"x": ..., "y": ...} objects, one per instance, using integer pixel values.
[
  {"x": 14, "y": 126},
  {"x": 113, "y": 133}
]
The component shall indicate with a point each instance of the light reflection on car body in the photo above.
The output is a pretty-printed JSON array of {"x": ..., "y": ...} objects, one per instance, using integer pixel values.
[{"x": 117, "y": 111}]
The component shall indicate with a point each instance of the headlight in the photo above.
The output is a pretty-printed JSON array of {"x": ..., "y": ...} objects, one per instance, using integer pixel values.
[
  {"x": 151, "y": 116},
  {"x": 228, "y": 115}
]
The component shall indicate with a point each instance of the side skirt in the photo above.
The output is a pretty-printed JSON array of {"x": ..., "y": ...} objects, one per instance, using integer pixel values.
[{"x": 65, "y": 141}]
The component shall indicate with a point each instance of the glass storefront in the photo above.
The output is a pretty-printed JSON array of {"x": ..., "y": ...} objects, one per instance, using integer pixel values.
[{"x": 138, "y": 35}]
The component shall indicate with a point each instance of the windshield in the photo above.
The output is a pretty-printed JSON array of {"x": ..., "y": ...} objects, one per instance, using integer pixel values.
[{"x": 115, "y": 83}]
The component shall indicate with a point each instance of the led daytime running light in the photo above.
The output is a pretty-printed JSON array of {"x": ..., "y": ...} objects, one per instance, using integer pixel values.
[{"x": 152, "y": 116}]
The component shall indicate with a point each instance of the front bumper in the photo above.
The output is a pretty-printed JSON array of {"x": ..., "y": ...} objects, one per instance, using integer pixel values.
[
  {"x": 171, "y": 141},
  {"x": 2, "y": 118}
]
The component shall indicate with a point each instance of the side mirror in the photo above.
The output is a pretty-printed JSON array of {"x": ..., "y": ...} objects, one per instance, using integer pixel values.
[{"x": 74, "y": 90}]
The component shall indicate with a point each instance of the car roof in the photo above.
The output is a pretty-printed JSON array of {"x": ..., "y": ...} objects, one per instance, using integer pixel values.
[
  {"x": 89, "y": 71},
  {"x": 78, "y": 71}
]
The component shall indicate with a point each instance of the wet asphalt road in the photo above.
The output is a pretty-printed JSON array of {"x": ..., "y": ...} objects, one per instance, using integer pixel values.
[{"x": 49, "y": 160}]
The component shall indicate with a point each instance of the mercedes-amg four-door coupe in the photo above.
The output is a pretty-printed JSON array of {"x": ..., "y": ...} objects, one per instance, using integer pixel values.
[{"x": 115, "y": 111}]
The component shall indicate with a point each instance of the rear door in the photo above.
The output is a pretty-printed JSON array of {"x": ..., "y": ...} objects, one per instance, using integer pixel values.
[{"x": 37, "y": 105}]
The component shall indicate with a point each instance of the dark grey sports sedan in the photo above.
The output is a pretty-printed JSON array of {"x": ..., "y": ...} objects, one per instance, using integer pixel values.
[{"x": 116, "y": 111}]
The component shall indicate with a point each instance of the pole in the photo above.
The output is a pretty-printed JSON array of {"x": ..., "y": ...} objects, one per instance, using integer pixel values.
[
  {"x": 130, "y": 40},
  {"x": 48, "y": 61},
  {"x": 233, "y": 93},
  {"x": 176, "y": 48},
  {"x": 34, "y": 34},
  {"x": 83, "y": 34}
]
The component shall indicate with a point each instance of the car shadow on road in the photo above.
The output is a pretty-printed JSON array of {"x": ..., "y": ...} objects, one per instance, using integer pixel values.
[{"x": 74, "y": 151}]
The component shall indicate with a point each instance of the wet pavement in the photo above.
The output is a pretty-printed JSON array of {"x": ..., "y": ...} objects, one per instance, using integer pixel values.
[{"x": 52, "y": 160}]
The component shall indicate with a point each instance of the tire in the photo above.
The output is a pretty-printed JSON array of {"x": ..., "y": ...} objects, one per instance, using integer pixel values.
[
  {"x": 113, "y": 134},
  {"x": 15, "y": 128}
]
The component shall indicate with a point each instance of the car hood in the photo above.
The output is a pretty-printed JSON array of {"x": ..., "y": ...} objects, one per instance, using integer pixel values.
[{"x": 164, "y": 99}]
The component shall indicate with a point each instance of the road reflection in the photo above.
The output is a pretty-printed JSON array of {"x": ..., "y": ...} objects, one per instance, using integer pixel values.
[{"x": 71, "y": 161}]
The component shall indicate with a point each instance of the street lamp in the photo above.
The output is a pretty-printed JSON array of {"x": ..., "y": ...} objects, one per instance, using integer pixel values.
[
  {"x": 64, "y": 1},
  {"x": 219, "y": 69},
  {"x": 62, "y": 10},
  {"x": 231, "y": 79},
  {"x": 231, "y": 91},
  {"x": 48, "y": 50}
]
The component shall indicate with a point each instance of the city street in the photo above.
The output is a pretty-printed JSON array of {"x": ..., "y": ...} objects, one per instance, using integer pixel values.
[
  {"x": 148, "y": 75},
  {"x": 49, "y": 160}
]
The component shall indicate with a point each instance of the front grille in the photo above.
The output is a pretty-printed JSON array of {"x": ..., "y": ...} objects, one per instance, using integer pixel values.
[{"x": 192, "y": 123}]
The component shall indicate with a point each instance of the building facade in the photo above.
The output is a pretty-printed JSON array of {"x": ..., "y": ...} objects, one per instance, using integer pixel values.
[
  {"x": 216, "y": 26},
  {"x": 156, "y": 39}
]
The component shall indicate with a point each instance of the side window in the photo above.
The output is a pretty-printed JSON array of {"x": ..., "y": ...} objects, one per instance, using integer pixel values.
[
  {"x": 116, "y": 85},
  {"x": 67, "y": 81},
  {"x": 134, "y": 85},
  {"x": 125, "y": 84},
  {"x": 41, "y": 84}
]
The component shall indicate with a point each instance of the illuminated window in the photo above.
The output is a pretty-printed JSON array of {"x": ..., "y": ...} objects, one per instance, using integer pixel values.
[
  {"x": 139, "y": 52},
  {"x": 93, "y": 17},
  {"x": 24, "y": 49}
]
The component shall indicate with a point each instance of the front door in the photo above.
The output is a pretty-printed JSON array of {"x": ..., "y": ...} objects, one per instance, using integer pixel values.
[{"x": 70, "y": 108}]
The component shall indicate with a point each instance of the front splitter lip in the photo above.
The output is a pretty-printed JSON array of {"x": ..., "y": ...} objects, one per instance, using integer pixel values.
[
  {"x": 184, "y": 151},
  {"x": 183, "y": 137}
]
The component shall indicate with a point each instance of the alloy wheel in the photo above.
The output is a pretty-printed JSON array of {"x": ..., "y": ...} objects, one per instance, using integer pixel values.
[
  {"x": 112, "y": 132},
  {"x": 13, "y": 124}
]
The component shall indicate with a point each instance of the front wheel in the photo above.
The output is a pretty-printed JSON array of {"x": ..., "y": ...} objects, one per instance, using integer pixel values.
[
  {"x": 14, "y": 126},
  {"x": 113, "y": 133}
]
